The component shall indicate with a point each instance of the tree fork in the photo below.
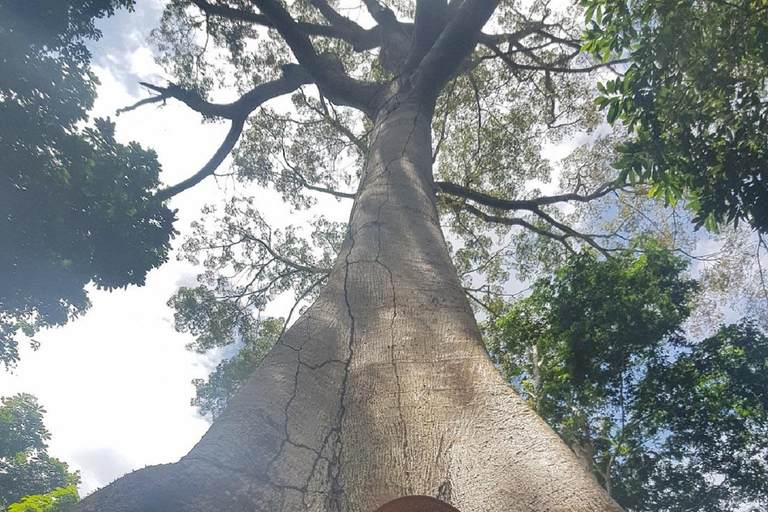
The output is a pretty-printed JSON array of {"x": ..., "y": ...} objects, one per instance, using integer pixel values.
[{"x": 382, "y": 389}]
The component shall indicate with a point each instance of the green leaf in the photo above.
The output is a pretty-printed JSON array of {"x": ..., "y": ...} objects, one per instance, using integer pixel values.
[{"x": 613, "y": 111}]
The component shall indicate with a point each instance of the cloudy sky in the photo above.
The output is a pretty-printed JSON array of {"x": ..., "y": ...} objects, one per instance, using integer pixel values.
[{"x": 116, "y": 383}]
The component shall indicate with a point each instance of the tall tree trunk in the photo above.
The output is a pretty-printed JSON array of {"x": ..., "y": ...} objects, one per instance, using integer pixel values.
[{"x": 381, "y": 389}]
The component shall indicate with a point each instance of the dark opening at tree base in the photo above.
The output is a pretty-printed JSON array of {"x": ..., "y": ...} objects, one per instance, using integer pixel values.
[{"x": 416, "y": 504}]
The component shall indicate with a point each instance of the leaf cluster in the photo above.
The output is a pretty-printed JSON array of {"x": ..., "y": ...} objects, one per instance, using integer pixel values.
[
  {"x": 58, "y": 500},
  {"x": 25, "y": 467},
  {"x": 695, "y": 98},
  {"x": 76, "y": 206},
  {"x": 664, "y": 423}
]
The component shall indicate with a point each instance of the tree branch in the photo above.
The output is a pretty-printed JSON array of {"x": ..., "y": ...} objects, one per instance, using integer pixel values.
[
  {"x": 522, "y": 204},
  {"x": 333, "y": 121},
  {"x": 145, "y": 101},
  {"x": 511, "y": 221},
  {"x": 542, "y": 67},
  {"x": 496, "y": 39},
  {"x": 530, "y": 205},
  {"x": 429, "y": 22},
  {"x": 286, "y": 261},
  {"x": 303, "y": 181},
  {"x": 324, "y": 190},
  {"x": 326, "y": 71},
  {"x": 209, "y": 168},
  {"x": 488, "y": 308},
  {"x": 238, "y": 111},
  {"x": 361, "y": 39},
  {"x": 293, "y": 78},
  {"x": 395, "y": 36},
  {"x": 572, "y": 232},
  {"x": 453, "y": 46}
]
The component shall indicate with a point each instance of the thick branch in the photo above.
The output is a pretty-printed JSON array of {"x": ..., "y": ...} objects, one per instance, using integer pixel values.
[
  {"x": 505, "y": 56},
  {"x": 395, "y": 36},
  {"x": 293, "y": 78},
  {"x": 361, "y": 39},
  {"x": 453, "y": 46},
  {"x": 496, "y": 39},
  {"x": 511, "y": 221},
  {"x": 522, "y": 204},
  {"x": 379, "y": 12},
  {"x": 238, "y": 111},
  {"x": 429, "y": 23},
  {"x": 349, "y": 31},
  {"x": 209, "y": 168},
  {"x": 532, "y": 205},
  {"x": 327, "y": 72}
]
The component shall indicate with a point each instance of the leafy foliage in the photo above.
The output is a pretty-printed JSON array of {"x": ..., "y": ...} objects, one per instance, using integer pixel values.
[
  {"x": 707, "y": 412},
  {"x": 665, "y": 424},
  {"x": 75, "y": 205},
  {"x": 247, "y": 264},
  {"x": 58, "y": 500},
  {"x": 214, "y": 394},
  {"x": 696, "y": 98},
  {"x": 25, "y": 467},
  {"x": 588, "y": 325}
]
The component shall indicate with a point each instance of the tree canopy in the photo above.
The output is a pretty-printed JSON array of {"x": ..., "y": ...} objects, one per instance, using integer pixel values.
[
  {"x": 25, "y": 466},
  {"x": 76, "y": 206},
  {"x": 526, "y": 86},
  {"x": 664, "y": 422},
  {"x": 695, "y": 98}
]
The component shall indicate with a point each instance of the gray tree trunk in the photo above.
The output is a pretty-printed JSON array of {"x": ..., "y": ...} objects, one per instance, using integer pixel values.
[{"x": 381, "y": 389}]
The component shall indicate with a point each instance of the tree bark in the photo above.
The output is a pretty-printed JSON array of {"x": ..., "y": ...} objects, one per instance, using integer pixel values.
[{"x": 381, "y": 389}]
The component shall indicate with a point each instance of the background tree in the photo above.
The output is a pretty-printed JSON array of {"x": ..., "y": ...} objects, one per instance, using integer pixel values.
[
  {"x": 75, "y": 205},
  {"x": 213, "y": 394},
  {"x": 694, "y": 97},
  {"x": 664, "y": 423},
  {"x": 25, "y": 466},
  {"x": 58, "y": 500}
]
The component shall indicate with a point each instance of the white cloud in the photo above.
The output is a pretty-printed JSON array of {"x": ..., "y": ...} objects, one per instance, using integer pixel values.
[
  {"x": 143, "y": 63},
  {"x": 99, "y": 466}
]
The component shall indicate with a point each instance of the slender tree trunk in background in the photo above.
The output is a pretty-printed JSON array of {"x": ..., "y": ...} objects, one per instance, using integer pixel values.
[{"x": 381, "y": 389}]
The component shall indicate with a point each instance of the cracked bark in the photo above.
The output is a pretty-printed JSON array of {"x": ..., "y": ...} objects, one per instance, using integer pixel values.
[{"x": 381, "y": 389}]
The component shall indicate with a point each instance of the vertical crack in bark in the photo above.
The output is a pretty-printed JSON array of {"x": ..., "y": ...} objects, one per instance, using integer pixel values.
[
  {"x": 304, "y": 490},
  {"x": 445, "y": 490},
  {"x": 403, "y": 422},
  {"x": 286, "y": 439},
  {"x": 334, "y": 496},
  {"x": 336, "y": 490},
  {"x": 392, "y": 341}
]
